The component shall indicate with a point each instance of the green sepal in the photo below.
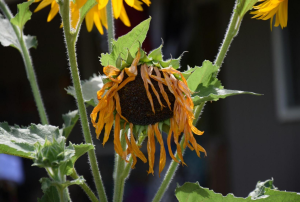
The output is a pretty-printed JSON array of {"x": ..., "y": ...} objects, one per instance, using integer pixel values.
[
  {"x": 175, "y": 63},
  {"x": 70, "y": 119},
  {"x": 89, "y": 90},
  {"x": 23, "y": 15},
  {"x": 156, "y": 54},
  {"x": 129, "y": 58},
  {"x": 8, "y": 36},
  {"x": 119, "y": 62},
  {"x": 129, "y": 41}
]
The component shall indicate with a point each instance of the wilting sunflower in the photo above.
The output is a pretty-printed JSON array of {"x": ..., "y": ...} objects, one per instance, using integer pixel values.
[
  {"x": 97, "y": 14},
  {"x": 142, "y": 97},
  {"x": 269, "y": 8}
]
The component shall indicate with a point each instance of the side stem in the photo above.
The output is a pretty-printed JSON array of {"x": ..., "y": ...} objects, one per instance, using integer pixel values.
[
  {"x": 70, "y": 39},
  {"x": 174, "y": 165},
  {"x": 232, "y": 31},
  {"x": 28, "y": 66},
  {"x": 110, "y": 23}
]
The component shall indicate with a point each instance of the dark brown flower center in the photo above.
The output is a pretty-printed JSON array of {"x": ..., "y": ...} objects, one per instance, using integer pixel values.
[{"x": 136, "y": 107}]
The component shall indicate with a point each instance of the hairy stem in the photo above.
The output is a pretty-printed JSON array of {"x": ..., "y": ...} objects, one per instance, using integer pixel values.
[
  {"x": 85, "y": 187},
  {"x": 232, "y": 31},
  {"x": 70, "y": 39},
  {"x": 174, "y": 165},
  {"x": 28, "y": 66},
  {"x": 110, "y": 23}
]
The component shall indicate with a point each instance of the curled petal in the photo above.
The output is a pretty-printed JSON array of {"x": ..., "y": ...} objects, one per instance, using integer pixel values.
[{"x": 162, "y": 158}]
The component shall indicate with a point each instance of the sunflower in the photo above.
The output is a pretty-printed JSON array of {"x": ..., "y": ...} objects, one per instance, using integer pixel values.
[
  {"x": 143, "y": 97},
  {"x": 269, "y": 8},
  {"x": 97, "y": 14}
]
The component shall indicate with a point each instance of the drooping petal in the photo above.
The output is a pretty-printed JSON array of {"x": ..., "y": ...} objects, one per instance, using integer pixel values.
[
  {"x": 118, "y": 106},
  {"x": 162, "y": 158},
  {"x": 54, "y": 10},
  {"x": 97, "y": 21},
  {"x": 124, "y": 18},
  {"x": 43, "y": 4},
  {"x": 169, "y": 143},
  {"x": 117, "y": 142},
  {"x": 143, "y": 75},
  {"x": 161, "y": 88},
  {"x": 135, "y": 148},
  {"x": 102, "y": 4},
  {"x": 89, "y": 20},
  {"x": 151, "y": 148},
  {"x": 130, "y": 2},
  {"x": 117, "y": 7},
  {"x": 138, "y": 5},
  {"x": 130, "y": 150}
]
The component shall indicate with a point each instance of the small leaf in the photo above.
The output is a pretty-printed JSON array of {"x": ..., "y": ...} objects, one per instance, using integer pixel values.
[
  {"x": 129, "y": 41},
  {"x": 20, "y": 141},
  {"x": 80, "y": 150},
  {"x": 212, "y": 93},
  {"x": 175, "y": 63},
  {"x": 89, "y": 90},
  {"x": 86, "y": 7},
  {"x": 23, "y": 15},
  {"x": 70, "y": 119},
  {"x": 8, "y": 36},
  {"x": 50, "y": 195}
]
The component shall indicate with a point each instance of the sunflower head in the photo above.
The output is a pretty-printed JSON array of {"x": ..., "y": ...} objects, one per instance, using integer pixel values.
[{"x": 143, "y": 93}]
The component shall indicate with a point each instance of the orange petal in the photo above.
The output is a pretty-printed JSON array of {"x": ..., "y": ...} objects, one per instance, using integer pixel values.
[
  {"x": 162, "y": 158},
  {"x": 132, "y": 70},
  {"x": 117, "y": 142},
  {"x": 118, "y": 106},
  {"x": 135, "y": 148},
  {"x": 110, "y": 70},
  {"x": 161, "y": 87},
  {"x": 169, "y": 143},
  {"x": 43, "y": 4},
  {"x": 131, "y": 152},
  {"x": 54, "y": 10},
  {"x": 151, "y": 148},
  {"x": 143, "y": 74}
]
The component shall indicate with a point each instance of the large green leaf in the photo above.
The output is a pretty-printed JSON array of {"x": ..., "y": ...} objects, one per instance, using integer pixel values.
[
  {"x": 131, "y": 41},
  {"x": 89, "y": 90},
  {"x": 193, "y": 192},
  {"x": 20, "y": 141},
  {"x": 8, "y": 36},
  {"x": 212, "y": 93},
  {"x": 23, "y": 15},
  {"x": 70, "y": 119}
]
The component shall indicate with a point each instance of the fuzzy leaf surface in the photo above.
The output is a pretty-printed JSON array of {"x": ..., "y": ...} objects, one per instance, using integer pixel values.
[
  {"x": 23, "y": 15},
  {"x": 51, "y": 195},
  {"x": 70, "y": 119},
  {"x": 20, "y": 141},
  {"x": 80, "y": 150},
  {"x": 131, "y": 41},
  {"x": 8, "y": 36},
  {"x": 89, "y": 90},
  {"x": 193, "y": 192}
]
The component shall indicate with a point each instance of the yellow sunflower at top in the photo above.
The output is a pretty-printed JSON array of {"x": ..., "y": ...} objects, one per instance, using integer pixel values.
[
  {"x": 97, "y": 15},
  {"x": 269, "y": 8}
]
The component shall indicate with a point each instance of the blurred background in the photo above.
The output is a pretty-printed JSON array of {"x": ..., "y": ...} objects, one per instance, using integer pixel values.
[{"x": 247, "y": 138}]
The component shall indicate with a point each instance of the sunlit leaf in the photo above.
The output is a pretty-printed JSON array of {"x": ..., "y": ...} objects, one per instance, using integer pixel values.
[
  {"x": 130, "y": 41},
  {"x": 23, "y": 15}
]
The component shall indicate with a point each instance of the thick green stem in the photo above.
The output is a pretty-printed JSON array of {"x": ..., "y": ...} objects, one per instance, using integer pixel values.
[
  {"x": 110, "y": 24},
  {"x": 174, "y": 165},
  {"x": 70, "y": 39},
  {"x": 28, "y": 66},
  {"x": 118, "y": 179},
  {"x": 85, "y": 187},
  {"x": 232, "y": 31}
]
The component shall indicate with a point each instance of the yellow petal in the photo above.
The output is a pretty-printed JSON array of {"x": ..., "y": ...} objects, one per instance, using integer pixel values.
[
  {"x": 130, "y": 2},
  {"x": 98, "y": 22},
  {"x": 43, "y": 4},
  {"x": 74, "y": 15},
  {"x": 89, "y": 20},
  {"x": 102, "y": 4},
  {"x": 124, "y": 18},
  {"x": 138, "y": 5},
  {"x": 54, "y": 10},
  {"x": 117, "y": 7},
  {"x": 148, "y": 2}
]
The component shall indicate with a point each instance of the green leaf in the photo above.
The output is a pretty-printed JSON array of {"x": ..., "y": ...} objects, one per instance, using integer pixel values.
[
  {"x": 129, "y": 41},
  {"x": 259, "y": 191},
  {"x": 70, "y": 119},
  {"x": 21, "y": 141},
  {"x": 86, "y": 7},
  {"x": 212, "y": 93},
  {"x": 89, "y": 90},
  {"x": 205, "y": 75},
  {"x": 8, "y": 36},
  {"x": 244, "y": 6},
  {"x": 23, "y": 15},
  {"x": 193, "y": 192},
  {"x": 80, "y": 150},
  {"x": 50, "y": 195}
]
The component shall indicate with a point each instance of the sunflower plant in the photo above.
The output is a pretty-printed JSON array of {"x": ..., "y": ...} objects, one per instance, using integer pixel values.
[{"x": 141, "y": 97}]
